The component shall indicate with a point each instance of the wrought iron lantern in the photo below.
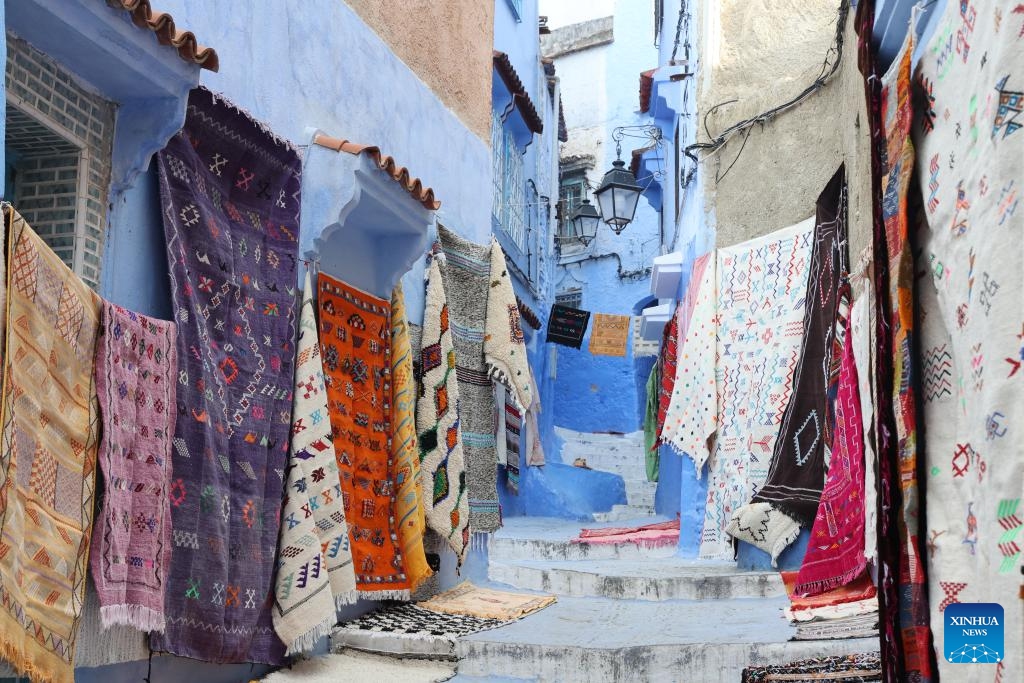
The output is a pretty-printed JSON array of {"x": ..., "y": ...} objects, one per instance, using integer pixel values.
[{"x": 585, "y": 221}]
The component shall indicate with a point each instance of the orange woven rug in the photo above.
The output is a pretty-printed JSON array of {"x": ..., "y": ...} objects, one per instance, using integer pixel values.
[{"x": 355, "y": 333}]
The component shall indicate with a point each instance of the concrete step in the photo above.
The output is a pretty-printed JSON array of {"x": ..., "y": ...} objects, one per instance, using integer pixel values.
[
  {"x": 545, "y": 538},
  {"x": 669, "y": 578},
  {"x": 598, "y": 639},
  {"x": 640, "y": 492},
  {"x": 621, "y": 512}
]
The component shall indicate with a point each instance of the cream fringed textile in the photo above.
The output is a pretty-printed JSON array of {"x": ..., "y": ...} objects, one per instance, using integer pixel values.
[
  {"x": 314, "y": 572},
  {"x": 442, "y": 465},
  {"x": 692, "y": 415},
  {"x": 504, "y": 344},
  {"x": 970, "y": 156}
]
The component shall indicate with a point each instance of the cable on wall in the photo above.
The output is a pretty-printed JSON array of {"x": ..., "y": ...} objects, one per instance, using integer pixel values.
[{"x": 829, "y": 67}]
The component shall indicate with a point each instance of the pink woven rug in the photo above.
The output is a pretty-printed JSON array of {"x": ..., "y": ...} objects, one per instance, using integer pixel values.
[{"x": 648, "y": 535}]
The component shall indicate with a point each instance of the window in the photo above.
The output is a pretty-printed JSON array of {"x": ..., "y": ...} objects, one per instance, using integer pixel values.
[
  {"x": 517, "y": 9},
  {"x": 509, "y": 204},
  {"x": 59, "y": 144},
  {"x": 571, "y": 192},
  {"x": 572, "y": 298}
]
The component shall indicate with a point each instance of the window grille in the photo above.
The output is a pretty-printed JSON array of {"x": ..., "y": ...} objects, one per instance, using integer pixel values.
[{"x": 572, "y": 298}]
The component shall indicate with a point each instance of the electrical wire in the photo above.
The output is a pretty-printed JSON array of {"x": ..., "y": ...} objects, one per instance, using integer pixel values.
[{"x": 829, "y": 67}]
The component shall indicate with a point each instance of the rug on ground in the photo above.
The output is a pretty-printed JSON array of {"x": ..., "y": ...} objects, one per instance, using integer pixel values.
[
  {"x": 355, "y": 335},
  {"x": 465, "y": 270},
  {"x": 48, "y": 459},
  {"x": 854, "y": 668},
  {"x": 486, "y": 603},
  {"x": 136, "y": 376},
  {"x": 442, "y": 463},
  {"x": 230, "y": 197},
  {"x": 314, "y": 572},
  {"x": 352, "y": 665}
]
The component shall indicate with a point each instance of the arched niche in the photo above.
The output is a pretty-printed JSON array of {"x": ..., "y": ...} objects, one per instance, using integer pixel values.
[{"x": 364, "y": 218}]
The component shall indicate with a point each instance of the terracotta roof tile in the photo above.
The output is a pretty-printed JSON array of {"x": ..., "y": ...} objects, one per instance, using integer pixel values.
[
  {"x": 401, "y": 175},
  {"x": 162, "y": 24},
  {"x": 638, "y": 157},
  {"x": 519, "y": 95},
  {"x": 646, "y": 84}
]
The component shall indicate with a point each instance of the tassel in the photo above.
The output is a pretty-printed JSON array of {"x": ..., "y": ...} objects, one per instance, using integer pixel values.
[
  {"x": 137, "y": 616},
  {"x": 308, "y": 640},
  {"x": 385, "y": 595},
  {"x": 344, "y": 599}
]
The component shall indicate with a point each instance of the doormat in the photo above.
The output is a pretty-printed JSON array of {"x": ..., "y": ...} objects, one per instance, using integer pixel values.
[
  {"x": 855, "y": 668},
  {"x": 486, "y": 603},
  {"x": 351, "y": 665}
]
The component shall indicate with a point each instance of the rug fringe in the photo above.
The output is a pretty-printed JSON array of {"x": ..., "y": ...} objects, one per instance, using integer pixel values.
[
  {"x": 308, "y": 640},
  {"x": 16, "y": 658},
  {"x": 385, "y": 595},
  {"x": 263, "y": 127},
  {"x": 478, "y": 541},
  {"x": 824, "y": 585},
  {"x": 137, "y": 616},
  {"x": 343, "y": 599},
  {"x": 783, "y": 543}
]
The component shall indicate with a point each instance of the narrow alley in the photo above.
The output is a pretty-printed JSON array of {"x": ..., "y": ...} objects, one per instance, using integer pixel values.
[{"x": 512, "y": 341}]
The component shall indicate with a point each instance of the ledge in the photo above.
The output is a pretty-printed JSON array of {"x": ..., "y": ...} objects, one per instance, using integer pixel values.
[
  {"x": 654, "y": 319},
  {"x": 668, "y": 270},
  {"x": 576, "y": 37},
  {"x": 361, "y": 221}
]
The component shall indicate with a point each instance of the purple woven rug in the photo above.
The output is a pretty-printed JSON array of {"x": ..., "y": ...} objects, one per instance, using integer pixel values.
[
  {"x": 136, "y": 377},
  {"x": 230, "y": 193}
]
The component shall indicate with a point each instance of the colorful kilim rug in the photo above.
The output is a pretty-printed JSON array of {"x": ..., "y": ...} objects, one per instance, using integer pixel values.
[
  {"x": 486, "y": 603},
  {"x": 609, "y": 335},
  {"x": 414, "y": 620},
  {"x": 789, "y": 497},
  {"x": 762, "y": 285},
  {"x": 692, "y": 414},
  {"x": 466, "y": 269},
  {"x": 442, "y": 465},
  {"x": 136, "y": 374},
  {"x": 566, "y": 326},
  {"x": 900, "y": 459},
  {"x": 669, "y": 358},
  {"x": 513, "y": 432},
  {"x": 651, "y": 455},
  {"x": 860, "y": 588},
  {"x": 859, "y": 668},
  {"x": 835, "y": 552},
  {"x": 314, "y": 573},
  {"x": 845, "y": 609},
  {"x": 504, "y": 344},
  {"x": 970, "y": 142},
  {"x": 48, "y": 458},
  {"x": 230, "y": 192},
  {"x": 404, "y": 453},
  {"x": 355, "y": 334},
  {"x": 648, "y": 535},
  {"x": 853, "y": 626}
]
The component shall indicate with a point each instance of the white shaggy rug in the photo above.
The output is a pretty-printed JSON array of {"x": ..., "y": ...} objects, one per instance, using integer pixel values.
[{"x": 362, "y": 666}]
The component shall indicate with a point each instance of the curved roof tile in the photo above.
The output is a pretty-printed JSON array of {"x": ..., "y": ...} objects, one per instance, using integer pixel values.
[
  {"x": 162, "y": 24},
  {"x": 401, "y": 175},
  {"x": 519, "y": 95}
]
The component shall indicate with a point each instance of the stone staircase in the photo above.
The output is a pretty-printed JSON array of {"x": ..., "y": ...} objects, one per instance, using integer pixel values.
[
  {"x": 630, "y": 614},
  {"x": 621, "y": 454}
]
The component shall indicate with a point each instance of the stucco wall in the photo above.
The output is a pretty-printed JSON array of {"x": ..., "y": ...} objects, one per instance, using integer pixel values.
[
  {"x": 786, "y": 163},
  {"x": 432, "y": 39}
]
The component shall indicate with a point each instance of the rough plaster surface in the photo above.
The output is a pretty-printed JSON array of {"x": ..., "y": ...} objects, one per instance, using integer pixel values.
[
  {"x": 786, "y": 163},
  {"x": 430, "y": 37}
]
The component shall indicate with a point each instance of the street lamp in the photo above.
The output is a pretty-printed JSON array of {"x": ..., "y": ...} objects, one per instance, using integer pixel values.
[
  {"x": 618, "y": 195},
  {"x": 585, "y": 221}
]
